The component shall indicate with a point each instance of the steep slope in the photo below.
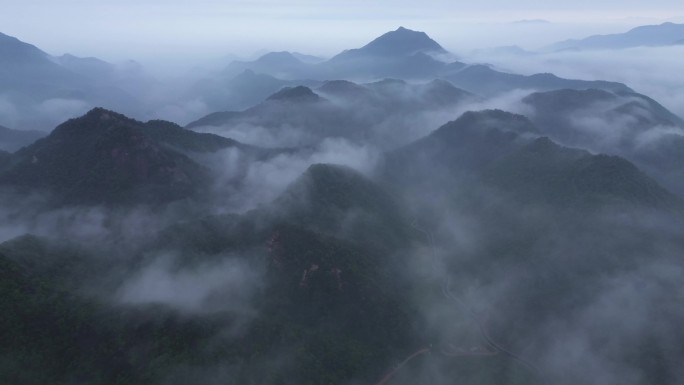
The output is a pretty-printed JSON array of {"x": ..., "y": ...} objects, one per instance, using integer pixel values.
[
  {"x": 544, "y": 172},
  {"x": 105, "y": 157},
  {"x": 499, "y": 149},
  {"x": 459, "y": 149},
  {"x": 627, "y": 124},
  {"x": 399, "y": 43},
  {"x": 401, "y": 53},
  {"x": 19, "y": 60}
]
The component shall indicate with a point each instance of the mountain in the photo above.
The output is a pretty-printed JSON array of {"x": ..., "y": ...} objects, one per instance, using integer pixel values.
[
  {"x": 5, "y": 158},
  {"x": 498, "y": 149},
  {"x": 18, "y": 58},
  {"x": 383, "y": 112},
  {"x": 35, "y": 84},
  {"x": 628, "y": 124},
  {"x": 459, "y": 149},
  {"x": 401, "y": 53},
  {"x": 12, "y": 140},
  {"x": 326, "y": 197},
  {"x": 399, "y": 43},
  {"x": 679, "y": 42},
  {"x": 627, "y": 112},
  {"x": 543, "y": 171},
  {"x": 484, "y": 80},
  {"x": 105, "y": 157},
  {"x": 309, "y": 59},
  {"x": 333, "y": 300},
  {"x": 241, "y": 91},
  {"x": 649, "y": 35},
  {"x": 92, "y": 67},
  {"x": 270, "y": 111},
  {"x": 284, "y": 65}
]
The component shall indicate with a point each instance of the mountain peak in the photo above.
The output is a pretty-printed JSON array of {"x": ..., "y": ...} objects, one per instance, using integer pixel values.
[
  {"x": 497, "y": 119},
  {"x": 95, "y": 120},
  {"x": 279, "y": 58},
  {"x": 299, "y": 93},
  {"x": 402, "y": 42}
]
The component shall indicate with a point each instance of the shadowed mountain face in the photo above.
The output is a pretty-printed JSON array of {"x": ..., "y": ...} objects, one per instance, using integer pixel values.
[
  {"x": 104, "y": 157},
  {"x": 460, "y": 149},
  {"x": 501, "y": 150},
  {"x": 650, "y": 35},
  {"x": 623, "y": 123},
  {"x": 543, "y": 171}
]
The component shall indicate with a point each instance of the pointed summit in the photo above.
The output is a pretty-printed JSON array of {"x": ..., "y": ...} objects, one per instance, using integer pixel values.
[
  {"x": 299, "y": 93},
  {"x": 402, "y": 42}
]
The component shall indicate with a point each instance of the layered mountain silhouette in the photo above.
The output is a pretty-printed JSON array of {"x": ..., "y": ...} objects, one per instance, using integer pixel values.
[
  {"x": 649, "y": 35},
  {"x": 31, "y": 78},
  {"x": 343, "y": 109},
  {"x": 624, "y": 123},
  {"x": 279, "y": 64},
  {"x": 543, "y": 171},
  {"x": 498, "y": 149},
  {"x": 407, "y": 54},
  {"x": 628, "y": 112},
  {"x": 12, "y": 140},
  {"x": 105, "y": 157},
  {"x": 484, "y": 80}
]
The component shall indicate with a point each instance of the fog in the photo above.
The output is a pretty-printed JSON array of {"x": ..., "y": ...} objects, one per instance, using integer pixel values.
[
  {"x": 648, "y": 70},
  {"x": 383, "y": 231}
]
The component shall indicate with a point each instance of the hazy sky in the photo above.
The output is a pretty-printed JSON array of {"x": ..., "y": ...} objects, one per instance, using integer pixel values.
[{"x": 141, "y": 29}]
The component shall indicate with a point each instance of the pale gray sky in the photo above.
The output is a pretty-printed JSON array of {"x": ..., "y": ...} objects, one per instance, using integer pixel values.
[{"x": 142, "y": 29}]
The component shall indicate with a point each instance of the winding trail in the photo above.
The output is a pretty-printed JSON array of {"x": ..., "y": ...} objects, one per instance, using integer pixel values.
[
  {"x": 485, "y": 335},
  {"x": 446, "y": 291},
  {"x": 391, "y": 374}
]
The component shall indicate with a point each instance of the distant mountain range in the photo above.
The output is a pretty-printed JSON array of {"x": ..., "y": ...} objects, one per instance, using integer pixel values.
[
  {"x": 342, "y": 109},
  {"x": 34, "y": 83},
  {"x": 645, "y": 36},
  {"x": 12, "y": 140},
  {"x": 409, "y": 55}
]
